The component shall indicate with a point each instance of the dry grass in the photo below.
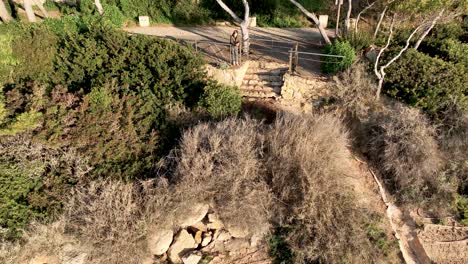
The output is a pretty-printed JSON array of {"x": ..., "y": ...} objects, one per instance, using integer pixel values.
[
  {"x": 220, "y": 164},
  {"x": 106, "y": 220},
  {"x": 355, "y": 91},
  {"x": 307, "y": 159},
  {"x": 402, "y": 143}
]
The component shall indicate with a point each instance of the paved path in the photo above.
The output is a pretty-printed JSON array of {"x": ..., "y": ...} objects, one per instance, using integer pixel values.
[{"x": 266, "y": 43}]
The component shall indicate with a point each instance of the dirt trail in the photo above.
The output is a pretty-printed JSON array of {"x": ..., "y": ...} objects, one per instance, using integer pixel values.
[{"x": 403, "y": 226}]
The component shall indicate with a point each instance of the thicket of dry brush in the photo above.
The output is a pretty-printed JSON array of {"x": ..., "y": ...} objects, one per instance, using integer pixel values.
[{"x": 289, "y": 173}]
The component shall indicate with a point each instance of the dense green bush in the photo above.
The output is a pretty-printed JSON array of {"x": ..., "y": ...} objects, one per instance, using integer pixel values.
[
  {"x": 341, "y": 48},
  {"x": 34, "y": 181},
  {"x": 429, "y": 83},
  {"x": 221, "y": 100},
  {"x": 450, "y": 50},
  {"x": 359, "y": 40},
  {"x": 461, "y": 206}
]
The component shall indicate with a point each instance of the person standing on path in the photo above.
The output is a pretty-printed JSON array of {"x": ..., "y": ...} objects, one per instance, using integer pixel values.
[{"x": 235, "y": 45}]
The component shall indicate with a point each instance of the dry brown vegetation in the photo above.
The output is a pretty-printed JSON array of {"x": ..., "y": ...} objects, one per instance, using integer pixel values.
[
  {"x": 220, "y": 164},
  {"x": 254, "y": 175},
  {"x": 403, "y": 144},
  {"x": 354, "y": 90},
  {"x": 307, "y": 159}
]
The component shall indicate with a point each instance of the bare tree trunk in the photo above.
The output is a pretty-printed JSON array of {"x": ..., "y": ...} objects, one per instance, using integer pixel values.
[
  {"x": 244, "y": 24},
  {"x": 4, "y": 15},
  {"x": 380, "y": 72},
  {"x": 377, "y": 28},
  {"x": 99, "y": 7},
  {"x": 41, "y": 7},
  {"x": 360, "y": 14},
  {"x": 423, "y": 36},
  {"x": 337, "y": 28},
  {"x": 348, "y": 16},
  {"x": 29, "y": 10},
  {"x": 315, "y": 19}
]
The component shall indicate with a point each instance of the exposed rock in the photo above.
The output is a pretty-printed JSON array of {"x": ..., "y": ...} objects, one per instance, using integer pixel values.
[
  {"x": 199, "y": 226},
  {"x": 237, "y": 231},
  {"x": 44, "y": 259},
  {"x": 194, "y": 215},
  {"x": 148, "y": 260},
  {"x": 223, "y": 236},
  {"x": 159, "y": 241},
  {"x": 214, "y": 222},
  {"x": 206, "y": 239},
  {"x": 236, "y": 244},
  {"x": 182, "y": 242},
  {"x": 79, "y": 259},
  {"x": 191, "y": 258},
  {"x": 198, "y": 237}
]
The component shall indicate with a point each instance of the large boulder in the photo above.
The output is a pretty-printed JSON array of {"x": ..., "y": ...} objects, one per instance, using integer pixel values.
[
  {"x": 191, "y": 258},
  {"x": 193, "y": 215},
  {"x": 159, "y": 241},
  {"x": 183, "y": 242}
]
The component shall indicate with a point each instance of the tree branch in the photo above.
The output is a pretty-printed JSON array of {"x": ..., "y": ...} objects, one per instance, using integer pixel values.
[
  {"x": 434, "y": 22},
  {"x": 230, "y": 12},
  {"x": 314, "y": 19},
  {"x": 362, "y": 12}
]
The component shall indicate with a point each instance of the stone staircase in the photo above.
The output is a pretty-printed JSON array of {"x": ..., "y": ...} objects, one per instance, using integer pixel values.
[{"x": 263, "y": 80}]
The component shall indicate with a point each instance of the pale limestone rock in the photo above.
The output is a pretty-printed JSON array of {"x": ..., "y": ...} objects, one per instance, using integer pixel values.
[
  {"x": 198, "y": 237},
  {"x": 182, "y": 242},
  {"x": 236, "y": 244},
  {"x": 191, "y": 258},
  {"x": 159, "y": 241},
  {"x": 194, "y": 214},
  {"x": 206, "y": 239},
  {"x": 79, "y": 259},
  {"x": 223, "y": 236},
  {"x": 237, "y": 231},
  {"x": 44, "y": 259},
  {"x": 214, "y": 222},
  {"x": 199, "y": 226}
]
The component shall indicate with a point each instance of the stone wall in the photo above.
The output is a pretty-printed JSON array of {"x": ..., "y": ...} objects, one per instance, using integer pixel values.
[
  {"x": 298, "y": 91},
  {"x": 230, "y": 76},
  {"x": 445, "y": 244}
]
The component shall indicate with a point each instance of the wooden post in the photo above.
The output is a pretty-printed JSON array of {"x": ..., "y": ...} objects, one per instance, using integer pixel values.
[
  {"x": 290, "y": 60},
  {"x": 297, "y": 56}
]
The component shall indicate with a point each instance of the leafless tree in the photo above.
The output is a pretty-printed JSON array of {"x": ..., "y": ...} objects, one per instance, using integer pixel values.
[
  {"x": 99, "y": 7},
  {"x": 369, "y": 5},
  {"x": 348, "y": 16},
  {"x": 380, "y": 70},
  {"x": 431, "y": 26},
  {"x": 4, "y": 15},
  {"x": 337, "y": 29},
  {"x": 28, "y": 7},
  {"x": 244, "y": 23},
  {"x": 314, "y": 19}
]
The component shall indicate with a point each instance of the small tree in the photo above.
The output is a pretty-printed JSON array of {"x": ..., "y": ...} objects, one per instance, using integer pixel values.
[
  {"x": 244, "y": 23},
  {"x": 314, "y": 19}
]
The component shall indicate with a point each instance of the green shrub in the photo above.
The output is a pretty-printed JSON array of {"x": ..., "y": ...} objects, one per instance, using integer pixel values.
[
  {"x": 359, "y": 40},
  {"x": 278, "y": 247},
  {"x": 341, "y": 48},
  {"x": 461, "y": 206},
  {"x": 114, "y": 15},
  {"x": 429, "y": 83},
  {"x": 34, "y": 181},
  {"x": 221, "y": 100}
]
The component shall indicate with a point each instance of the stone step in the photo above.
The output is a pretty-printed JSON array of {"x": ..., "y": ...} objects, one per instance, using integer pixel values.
[
  {"x": 262, "y": 83},
  {"x": 258, "y": 88},
  {"x": 257, "y": 94}
]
